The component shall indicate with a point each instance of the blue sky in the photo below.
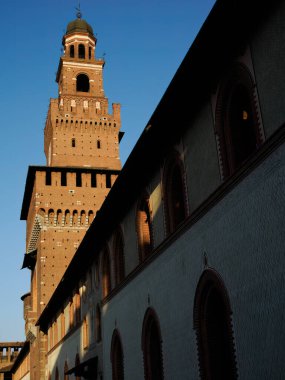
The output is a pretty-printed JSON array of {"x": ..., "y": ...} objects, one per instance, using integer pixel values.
[{"x": 143, "y": 42}]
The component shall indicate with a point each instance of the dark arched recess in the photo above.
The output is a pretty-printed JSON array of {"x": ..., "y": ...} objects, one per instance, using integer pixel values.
[{"x": 213, "y": 326}]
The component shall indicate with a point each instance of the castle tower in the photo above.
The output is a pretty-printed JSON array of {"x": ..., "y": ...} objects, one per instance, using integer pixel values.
[
  {"x": 79, "y": 130},
  {"x": 81, "y": 143}
]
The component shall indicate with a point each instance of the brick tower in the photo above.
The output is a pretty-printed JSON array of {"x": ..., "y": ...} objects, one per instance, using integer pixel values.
[{"x": 81, "y": 143}]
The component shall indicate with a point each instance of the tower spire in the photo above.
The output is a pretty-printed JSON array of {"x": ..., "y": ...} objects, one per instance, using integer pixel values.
[{"x": 78, "y": 13}]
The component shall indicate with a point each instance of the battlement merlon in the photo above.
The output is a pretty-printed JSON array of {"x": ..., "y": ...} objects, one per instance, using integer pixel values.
[
  {"x": 86, "y": 114},
  {"x": 117, "y": 112}
]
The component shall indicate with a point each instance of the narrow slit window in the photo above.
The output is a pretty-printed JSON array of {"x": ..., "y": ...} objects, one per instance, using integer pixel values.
[{"x": 73, "y": 143}]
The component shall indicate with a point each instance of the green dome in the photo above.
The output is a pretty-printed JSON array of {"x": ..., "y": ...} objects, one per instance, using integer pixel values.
[{"x": 79, "y": 25}]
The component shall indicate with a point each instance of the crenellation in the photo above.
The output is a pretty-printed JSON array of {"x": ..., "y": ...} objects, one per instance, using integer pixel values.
[
  {"x": 71, "y": 179},
  {"x": 86, "y": 179},
  {"x": 56, "y": 178}
]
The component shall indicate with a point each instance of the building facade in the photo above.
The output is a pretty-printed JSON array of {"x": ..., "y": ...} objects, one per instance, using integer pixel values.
[
  {"x": 181, "y": 273},
  {"x": 81, "y": 143},
  {"x": 9, "y": 351}
]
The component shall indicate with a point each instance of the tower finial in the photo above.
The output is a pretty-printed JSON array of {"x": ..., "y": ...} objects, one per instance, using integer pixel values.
[{"x": 78, "y": 13}]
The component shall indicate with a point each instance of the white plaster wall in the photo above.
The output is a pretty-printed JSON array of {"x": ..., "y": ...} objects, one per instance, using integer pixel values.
[{"x": 243, "y": 237}]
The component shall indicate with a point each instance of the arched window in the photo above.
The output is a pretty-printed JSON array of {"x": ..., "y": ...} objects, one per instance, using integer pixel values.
[
  {"x": 82, "y": 83},
  {"x": 106, "y": 273},
  {"x": 81, "y": 51},
  {"x": 82, "y": 218},
  {"x": 237, "y": 122},
  {"x": 213, "y": 325},
  {"x": 51, "y": 217},
  {"x": 119, "y": 259},
  {"x": 71, "y": 51},
  {"x": 75, "y": 217},
  {"x": 144, "y": 228},
  {"x": 85, "y": 333},
  {"x": 90, "y": 217},
  {"x": 41, "y": 212},
  {"x": 71, "y": 314},
  {"x": 98, "y": 328},
  {"x": 152, "y": 347},
  {"x": 174, "y": 193},
  {"x": 117, "y": 357},
  {"x": 67, "y": 217},
  {"x": 59, "y": 217}
]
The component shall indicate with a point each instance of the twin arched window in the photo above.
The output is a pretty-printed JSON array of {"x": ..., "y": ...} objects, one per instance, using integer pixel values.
[
  {"x": 212, "y": 322},
  {"x": 174, "y": 193},
  {"x": 81, "y": 51},
  {"x": 237, "y": 126},
  {"x": 151, "y": 347}
]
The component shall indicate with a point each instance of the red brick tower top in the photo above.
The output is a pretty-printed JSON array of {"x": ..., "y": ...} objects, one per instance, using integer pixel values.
[{"x": 79, "y": 130}]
